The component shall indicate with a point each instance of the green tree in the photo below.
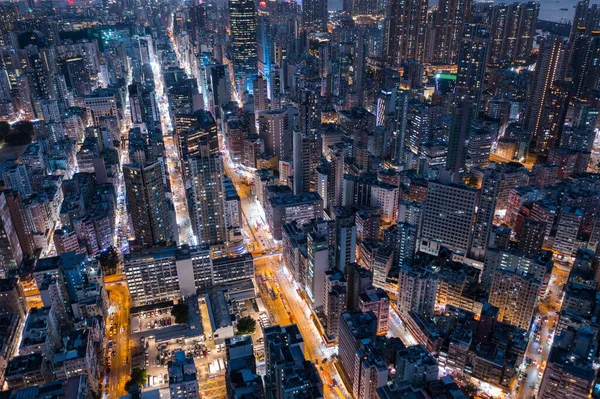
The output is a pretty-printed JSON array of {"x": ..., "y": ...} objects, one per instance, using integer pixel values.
[
  {"x": 246, "y": 326},
  {"x": 138, "y": 378},
  {"x": 180, "y": 312},
  {"x": 109, "y": 260},
  {"x": 470, "y": 390}
]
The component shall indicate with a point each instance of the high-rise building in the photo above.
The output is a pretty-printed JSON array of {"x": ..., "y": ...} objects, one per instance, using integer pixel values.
[
  {"x": 483, "y": 136},
  {"x": 241, "y": 379},
  {"x": 359, "y": 278},
  {"x": 334, "y": 303},
  {"x": 584, "y": 50},
  {"x": 11, "y": 254},
  {"x": 538, "y": 266},
  {"x": 317, "y": 248},
  {"x": 77, "y": 76},
  {"x": 425, "y": 119},
  {"x": 345, "y": 238},
  {"x": 193, "y": 129},
  {"x": 407, "y": 31},
  {"x": 569, "y": 222},
  {"x": 216, "y": 87},
  {"x": 287, "y": 371},
  {"x": 515, "y": 294},
  {"x": 242, "y": 26},
  {"x": 472, "y": 61},
  {"x": 377, "y": 301},
  {"x": 306, "y": 157},
  {"x": 20, "y": 222},
  {"x": 485, "y": 213},
  {"x": 547, "y": 70},
  {"x": 261, "y": 100},
  {"x": 66, "y": 241},
  {"x": 101, "y": 103},
  {"x": 274, "y": 130},
  {"x": 417, "y": 290},
  {"x": 512, "y": 32},
  {"x": 314, "y": 15},
  {"x": 356, "y": 330},
  {"x": 450, "y": 19},
  {"x": 264, "y": 42},
  {"x": 460, "y": 128},
  {"x": 206, "y": 197},
  {"x": 569, "y": 373},
  {"x": 448, "y": 215},
  {"x": 147, "y": 205},
  {"x": 531, "y": 236},
  {"x": 309, "y": 110}
]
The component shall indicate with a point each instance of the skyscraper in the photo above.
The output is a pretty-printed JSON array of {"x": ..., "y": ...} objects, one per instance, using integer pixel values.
[
  {"x": 314, "y": 15},
  {"x": 547, "y": 70},
  {"x": 216, "y": 87},
  {"x": 472, "y": 60},
  {"x": 458, "y": 135},
  {"x": 584, "y": 61},
  {"x": 195, "y": 130},
  {"x": 242, "y": 20},
  {"x": 23, "y": 230},
  {"x": 406, "y": 31},
  {"x": 450, "y": 19},
  {"x": 274, "y": 130},
  {"x": 147, "y": 205},
  {"x": 264, "y": 43},
  {"x": 206, "y": 197},
  {"x": 485, "y": 213},
  {"x": 512, "y": 31},
  {"x": 11, "y": 254}
]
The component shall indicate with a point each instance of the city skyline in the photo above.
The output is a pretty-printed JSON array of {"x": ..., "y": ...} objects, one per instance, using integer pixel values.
[{"x": 274, "y": 199}]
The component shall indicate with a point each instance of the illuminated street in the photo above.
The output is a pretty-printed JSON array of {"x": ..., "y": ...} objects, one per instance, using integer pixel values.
[
  {"x": 314, "y": 348},
  {"x": 305, "y": 169},
  {"x": 547, "y": 318},
  {"x": 186, "y": 235},
  {"x": 119, "y": 304},
  {"x": 122, "y": 231}
]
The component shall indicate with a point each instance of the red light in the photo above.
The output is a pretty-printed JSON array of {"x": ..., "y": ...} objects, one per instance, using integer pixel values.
[{"x": 262, "y": 4}]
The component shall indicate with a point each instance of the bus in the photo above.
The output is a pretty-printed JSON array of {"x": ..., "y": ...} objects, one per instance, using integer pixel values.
[{"x": 270, "y": 290}]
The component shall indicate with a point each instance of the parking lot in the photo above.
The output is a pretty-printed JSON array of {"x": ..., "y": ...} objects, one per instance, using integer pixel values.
[{"x": 151, "y": 320}]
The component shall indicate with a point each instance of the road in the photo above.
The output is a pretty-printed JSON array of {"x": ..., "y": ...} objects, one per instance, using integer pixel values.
[
  {"x": 255, "y": 226},
  {"x": 119, "y": 303},
  {"x": 314, "y": 349},
  {"x": 186, "y": 234},
  {"x": 546, "y": 318},
  {"x": 122, "y": 231},
  {"x": 396, "y": 329},
  {"x": 497, "y": 158}
]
